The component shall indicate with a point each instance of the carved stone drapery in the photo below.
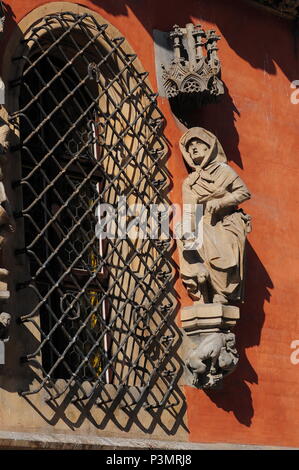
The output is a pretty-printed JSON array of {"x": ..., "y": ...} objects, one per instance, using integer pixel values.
[{"x": 211, "y": 258}]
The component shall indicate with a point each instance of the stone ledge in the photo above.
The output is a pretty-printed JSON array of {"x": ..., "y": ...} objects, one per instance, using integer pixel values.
[{"x": 19, "y": 440}]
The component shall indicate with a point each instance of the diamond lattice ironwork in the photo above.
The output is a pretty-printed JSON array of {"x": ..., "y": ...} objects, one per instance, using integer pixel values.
[{"x": 90, "y": 133}]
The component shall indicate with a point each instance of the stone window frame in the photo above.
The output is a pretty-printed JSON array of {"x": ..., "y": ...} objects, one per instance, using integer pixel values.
[{"x": 12, "y": 103}]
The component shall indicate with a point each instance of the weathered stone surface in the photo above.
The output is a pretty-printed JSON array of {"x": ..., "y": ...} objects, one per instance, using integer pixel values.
[
  {"x": 23, "y": 440},
  {"x": 200, "y": 316},
  {"x": 211, "y": 257},
  {"x": 199, "y": 75}
]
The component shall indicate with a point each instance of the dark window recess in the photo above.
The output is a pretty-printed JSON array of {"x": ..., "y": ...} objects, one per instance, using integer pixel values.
[{"x": 90, "y": 131}]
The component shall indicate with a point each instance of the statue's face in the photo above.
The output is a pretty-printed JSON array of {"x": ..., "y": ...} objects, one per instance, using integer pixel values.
[{"x": 197, "y": 150}]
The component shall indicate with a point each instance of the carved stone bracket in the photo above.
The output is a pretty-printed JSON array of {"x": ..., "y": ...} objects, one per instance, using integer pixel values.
[
  {"x": 210, "y": 343},
  {"x": 195, "y": 70}
]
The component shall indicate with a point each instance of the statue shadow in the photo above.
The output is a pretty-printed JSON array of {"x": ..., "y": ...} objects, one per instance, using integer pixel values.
[
  {"x": 235, "y": 396},
  {"x": 257, "y": 26},
  {"x": 219, "y": 118}
]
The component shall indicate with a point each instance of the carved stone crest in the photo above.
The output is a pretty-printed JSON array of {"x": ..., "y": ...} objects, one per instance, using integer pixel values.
[{"x": 195, "y": 69}]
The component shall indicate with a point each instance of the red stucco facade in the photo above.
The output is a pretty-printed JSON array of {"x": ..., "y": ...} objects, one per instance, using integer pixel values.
[{"x": 257, "y": 124}]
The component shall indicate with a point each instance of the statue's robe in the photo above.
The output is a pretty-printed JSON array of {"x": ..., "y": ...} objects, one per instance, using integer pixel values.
[{"x": 224, "y": 233}]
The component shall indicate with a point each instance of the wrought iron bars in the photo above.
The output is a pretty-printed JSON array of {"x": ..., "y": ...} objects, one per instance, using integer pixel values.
[{"x": 91, "y": 133}]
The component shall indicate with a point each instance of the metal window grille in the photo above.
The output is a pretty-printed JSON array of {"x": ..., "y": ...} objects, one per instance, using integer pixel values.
[{"x": 90, "y": 132}]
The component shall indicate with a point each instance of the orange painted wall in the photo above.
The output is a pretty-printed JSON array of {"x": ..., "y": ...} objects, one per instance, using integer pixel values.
[{"x": 258, "y": 127}]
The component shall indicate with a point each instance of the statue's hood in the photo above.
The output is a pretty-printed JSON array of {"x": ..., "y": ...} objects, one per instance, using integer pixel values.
[{"x": 216, "y": 153}]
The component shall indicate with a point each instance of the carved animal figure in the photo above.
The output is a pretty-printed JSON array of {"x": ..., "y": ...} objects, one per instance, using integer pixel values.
[
  {"x": 209, "y": 348},
  {"x": 228, "y": 357},
  {"x": 214, "y": 350}
]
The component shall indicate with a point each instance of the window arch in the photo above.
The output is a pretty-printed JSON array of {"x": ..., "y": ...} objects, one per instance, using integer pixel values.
[{"x": 90, "y": 133}]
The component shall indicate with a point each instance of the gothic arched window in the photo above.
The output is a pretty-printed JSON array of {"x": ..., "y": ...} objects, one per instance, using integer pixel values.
[{"x": 90, "y": 134}]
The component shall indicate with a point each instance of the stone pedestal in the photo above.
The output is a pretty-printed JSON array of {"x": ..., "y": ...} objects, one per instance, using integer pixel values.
[
  {"x": 206, "y": 318},
  {"x": 208, "y": 345}
]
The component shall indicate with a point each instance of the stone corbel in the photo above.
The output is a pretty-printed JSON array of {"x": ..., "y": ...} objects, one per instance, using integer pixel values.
[{"x": 211, "y": 352}]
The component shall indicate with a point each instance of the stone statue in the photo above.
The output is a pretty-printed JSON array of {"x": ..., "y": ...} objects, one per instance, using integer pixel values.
[{"x": 211, "y": 270}]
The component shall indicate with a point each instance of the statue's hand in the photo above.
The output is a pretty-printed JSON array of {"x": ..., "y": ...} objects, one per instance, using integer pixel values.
[
  {"x": 213, "y": 206},
  {"x": 202, "y": 273}
]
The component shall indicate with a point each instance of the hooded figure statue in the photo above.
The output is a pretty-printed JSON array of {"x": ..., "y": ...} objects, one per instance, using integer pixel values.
[{"x": 213, "y": 271}]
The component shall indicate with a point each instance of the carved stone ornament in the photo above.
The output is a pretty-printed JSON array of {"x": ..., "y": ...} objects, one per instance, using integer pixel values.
[
  {"x": 211, "y": 243},
  {"x": 194, "y": 71}
]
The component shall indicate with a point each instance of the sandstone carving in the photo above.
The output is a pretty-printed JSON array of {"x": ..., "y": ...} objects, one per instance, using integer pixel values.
[
  {"x": 211, "y": 247},
  {"x": 6, "y": 217},
  {"x": 215, "y": 352},
  {"x": 194, "y": 71}
]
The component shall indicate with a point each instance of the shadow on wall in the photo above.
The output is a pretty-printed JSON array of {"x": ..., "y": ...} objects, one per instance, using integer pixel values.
[
  {"x": 235, "y": 395},
  {"x": 249, "y": 31},
  {"x": 257, "y": 44},
  {"x": 13, "y": 375},
  {"x": 219, "y": 118},
  {"x": 248, "y": 34}
]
